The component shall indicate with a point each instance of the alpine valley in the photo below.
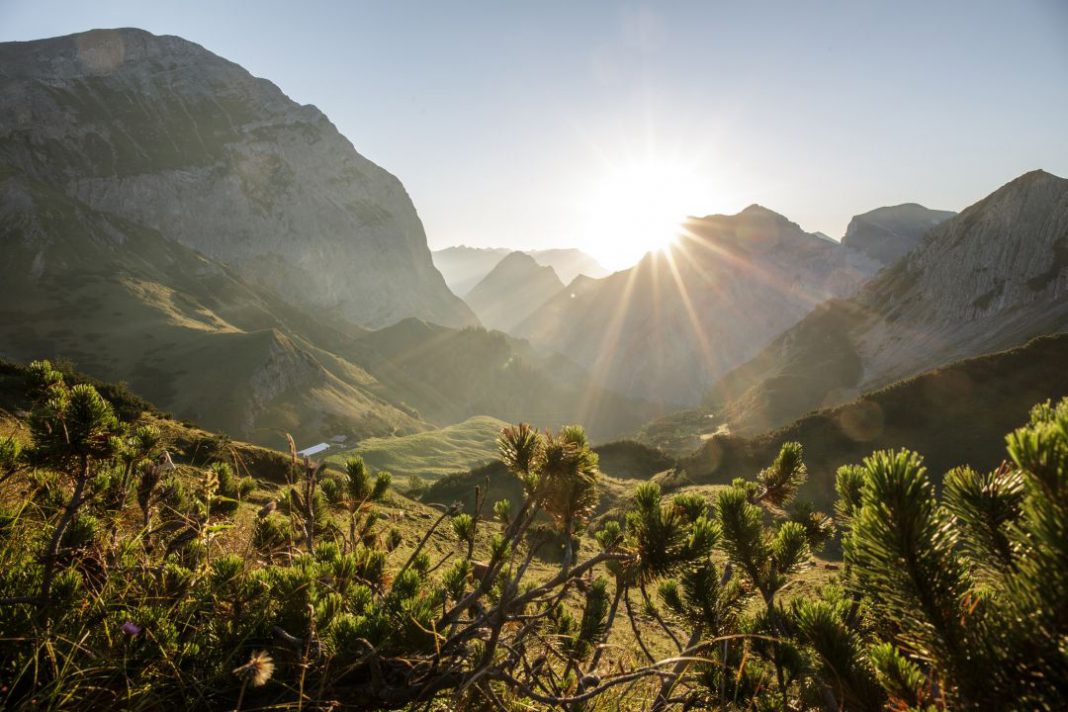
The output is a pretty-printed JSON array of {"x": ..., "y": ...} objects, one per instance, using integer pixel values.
[{"x": 261, "y": 448}]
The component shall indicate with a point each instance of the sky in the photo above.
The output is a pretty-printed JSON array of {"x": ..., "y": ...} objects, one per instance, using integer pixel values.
[{"x": 597, "y": 124}]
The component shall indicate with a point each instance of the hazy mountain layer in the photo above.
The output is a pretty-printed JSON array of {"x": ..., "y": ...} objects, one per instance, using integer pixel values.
[
  {"x": 161, "y": 132},
  {"x": 569, "y": 263},
  {"x": 989, "y": 279},
  {"x": 888, "y": 234},
  {"x": 667, "y": 328},
  {"x": 512, "y": 291},
  {"x": 464, "y": 267}
]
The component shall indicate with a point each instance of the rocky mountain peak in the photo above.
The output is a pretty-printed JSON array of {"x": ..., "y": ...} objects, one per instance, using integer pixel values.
[
  {"x": 889, "y": 233},
  {"x": 758, "y": 230},
  {"x": 512, "y": 291},
  {"x": 518, "y": 262}
]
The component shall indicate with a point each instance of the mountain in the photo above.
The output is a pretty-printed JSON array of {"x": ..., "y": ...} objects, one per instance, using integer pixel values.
[
  {"x": 447, "y": 375},
  {"x": 954, "y": 415},
  {"x": 166, "y": 135},
  {"x": 127, "y": 304},
  {"x": 888, "y": 234},
  {"x": 512, "y": 290},
  {"x": 569, "y": 263},
  {"x": 988, "y": 279},
  {"x": 667, "y": 328},
  {"x": 464, "y": 267}
]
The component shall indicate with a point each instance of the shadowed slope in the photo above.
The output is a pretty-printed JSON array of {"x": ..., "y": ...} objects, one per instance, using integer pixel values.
[
  {"x": 953, "y": 415},
  {"x": 449, "y": 375}
]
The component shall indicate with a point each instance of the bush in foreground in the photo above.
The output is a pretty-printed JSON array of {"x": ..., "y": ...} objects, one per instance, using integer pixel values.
[{"x": 127, "y": 581}]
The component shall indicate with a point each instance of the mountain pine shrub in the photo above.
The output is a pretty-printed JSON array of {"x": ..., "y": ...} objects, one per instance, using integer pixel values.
[{"x": 129, "y": 581}]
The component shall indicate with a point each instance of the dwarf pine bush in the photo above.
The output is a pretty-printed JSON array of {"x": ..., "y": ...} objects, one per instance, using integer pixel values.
[{"x": 129, "y": 582}]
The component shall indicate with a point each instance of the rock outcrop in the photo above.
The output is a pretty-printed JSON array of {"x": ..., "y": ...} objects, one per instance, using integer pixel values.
[{"x": 163, "y": 133}]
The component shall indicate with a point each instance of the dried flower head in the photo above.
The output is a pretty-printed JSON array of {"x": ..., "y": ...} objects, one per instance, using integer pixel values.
[{"x": 257, "y": 670}]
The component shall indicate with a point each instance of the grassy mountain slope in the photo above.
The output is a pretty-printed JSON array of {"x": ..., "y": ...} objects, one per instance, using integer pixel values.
[
  {"x": 449, "y": 375},
  {"x": 954, "y": 415},
  {"x": 434, "y": 453}
]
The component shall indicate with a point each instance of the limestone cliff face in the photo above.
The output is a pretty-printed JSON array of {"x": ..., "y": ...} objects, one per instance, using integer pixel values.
[
  {"x": 162, "y": 132},
  {"x": 665, "y": 329},
  {"x": 993, "y": 277}
]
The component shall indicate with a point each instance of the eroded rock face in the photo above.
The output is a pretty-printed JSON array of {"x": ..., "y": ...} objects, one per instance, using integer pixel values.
[
  {"x": 991, "y": 278},
  {"x": 164, "y": 133}
]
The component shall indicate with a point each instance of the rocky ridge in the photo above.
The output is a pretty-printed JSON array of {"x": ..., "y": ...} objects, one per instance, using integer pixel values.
[{"x": 991, "y": 278}]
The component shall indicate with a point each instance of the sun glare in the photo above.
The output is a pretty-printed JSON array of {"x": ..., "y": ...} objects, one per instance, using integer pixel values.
[{"x": 639, "y": 207}]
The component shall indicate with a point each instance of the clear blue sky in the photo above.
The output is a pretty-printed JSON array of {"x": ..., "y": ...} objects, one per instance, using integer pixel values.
[{"x": 505, "y": 119}]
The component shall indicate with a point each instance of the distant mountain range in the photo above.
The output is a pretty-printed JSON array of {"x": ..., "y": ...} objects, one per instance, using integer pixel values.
[{"x": 464, "y": 267}]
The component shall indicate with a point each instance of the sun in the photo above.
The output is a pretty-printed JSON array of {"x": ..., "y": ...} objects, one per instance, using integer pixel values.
[{"x": 638, "y": 207}]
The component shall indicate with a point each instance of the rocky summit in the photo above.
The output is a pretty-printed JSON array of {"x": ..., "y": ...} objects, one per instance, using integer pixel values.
[{"x": 161, "y": 132}]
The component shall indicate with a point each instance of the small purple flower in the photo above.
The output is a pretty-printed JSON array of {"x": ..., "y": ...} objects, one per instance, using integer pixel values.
[{"x": 131, "y": 629}]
